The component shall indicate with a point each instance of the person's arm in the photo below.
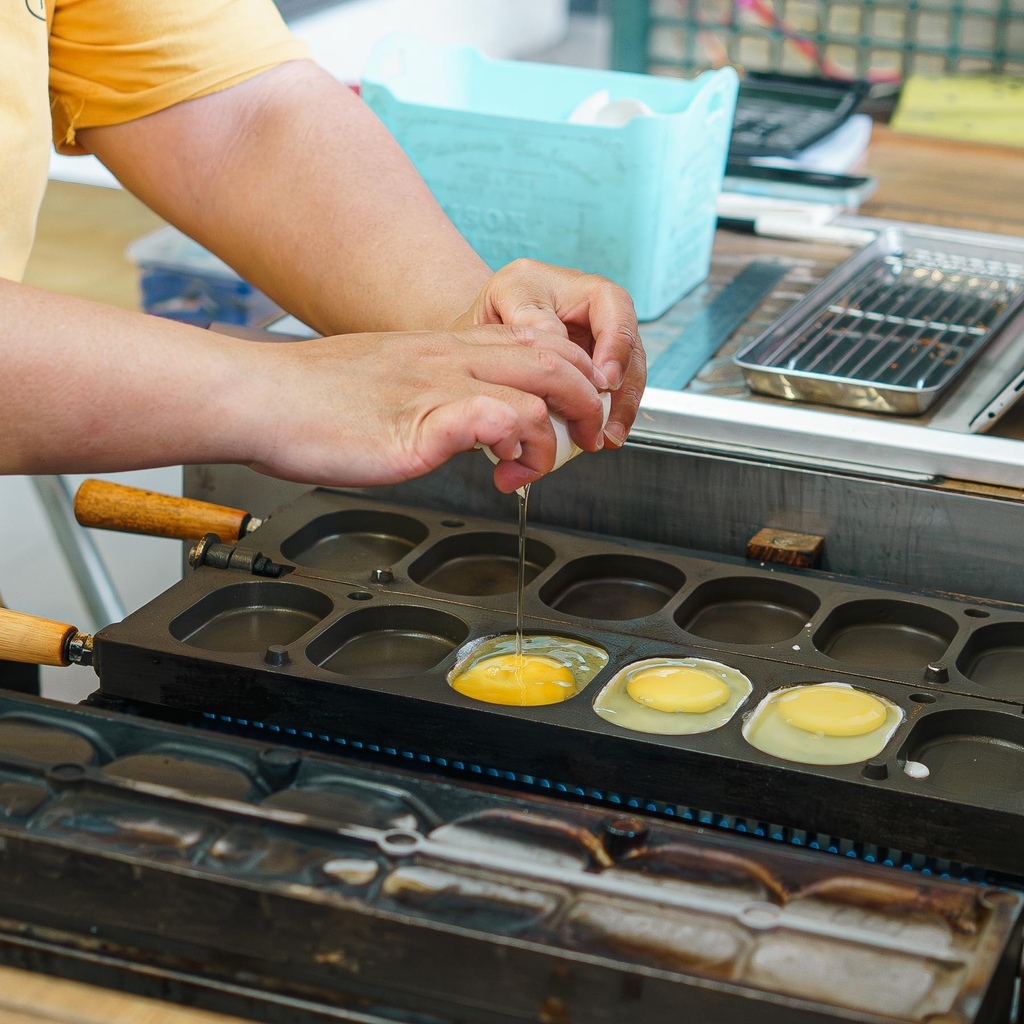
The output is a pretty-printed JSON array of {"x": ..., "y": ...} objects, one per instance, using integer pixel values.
[
  {"x": 294, "y": 182},
  {"x": 92, "y": 388}
]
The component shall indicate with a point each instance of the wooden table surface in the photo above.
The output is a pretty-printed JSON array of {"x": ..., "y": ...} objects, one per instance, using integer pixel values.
[{"x": 84, "y": 230}]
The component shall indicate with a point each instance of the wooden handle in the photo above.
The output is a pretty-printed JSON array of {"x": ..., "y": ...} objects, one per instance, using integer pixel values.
[
  {"x": 108, "y": 506},
  {"x": 32, "y": 639}
]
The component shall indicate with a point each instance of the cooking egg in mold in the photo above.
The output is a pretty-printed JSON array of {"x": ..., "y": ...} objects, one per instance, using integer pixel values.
[
  {"x": 551, "y": 669},
  {"x": 822, "y": 723},
  {"x": 673, "y": 696}
]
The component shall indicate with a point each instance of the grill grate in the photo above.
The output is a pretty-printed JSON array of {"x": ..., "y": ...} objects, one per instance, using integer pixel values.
[
  {"x": 905, "y": 321},
  {"x": 891, "y": 335}
]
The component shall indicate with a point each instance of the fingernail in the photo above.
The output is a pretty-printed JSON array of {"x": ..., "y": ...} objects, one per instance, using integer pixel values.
[
  {"x": 616, "y": 433},
  {"x": 613, "y": 375},
  {"x": 517, "y": 452},
  {"x": 601, "y": 379}
]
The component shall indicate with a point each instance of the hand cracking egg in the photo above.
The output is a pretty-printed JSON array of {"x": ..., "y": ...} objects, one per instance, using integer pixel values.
[
  {"x": 673, "y": 696},
  {"x": 822, "y": 723},
  {"x": 550, "y": 670}
]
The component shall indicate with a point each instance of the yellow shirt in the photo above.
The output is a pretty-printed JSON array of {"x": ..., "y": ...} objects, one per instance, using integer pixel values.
[{"x": 70, "y": 64}]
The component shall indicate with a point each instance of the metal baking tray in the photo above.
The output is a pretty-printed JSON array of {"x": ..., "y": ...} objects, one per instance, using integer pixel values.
[
  {"x": 298, "y": 889},
  {"x": 894, "y": 326},
  {"x": 342, "y": 656}
]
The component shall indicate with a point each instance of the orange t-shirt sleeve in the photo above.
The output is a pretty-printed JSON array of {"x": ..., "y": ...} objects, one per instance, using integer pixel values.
[{"x": 112, "y": 61}]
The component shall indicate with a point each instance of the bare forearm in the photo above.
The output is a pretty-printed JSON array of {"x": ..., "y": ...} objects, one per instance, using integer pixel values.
[
  {"x": 92, "y": 388},
  {"x": 292, "y": 180}
]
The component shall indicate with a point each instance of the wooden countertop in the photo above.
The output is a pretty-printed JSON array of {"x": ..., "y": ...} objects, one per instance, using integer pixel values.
[
  {"x": 84, "y": 230},
  {"x": 36, "y": 999}
]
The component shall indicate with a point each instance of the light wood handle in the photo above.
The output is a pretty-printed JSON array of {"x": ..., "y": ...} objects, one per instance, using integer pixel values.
[
  {"x": 32, "y": 639},
  {"x": 108, "y": 506}
]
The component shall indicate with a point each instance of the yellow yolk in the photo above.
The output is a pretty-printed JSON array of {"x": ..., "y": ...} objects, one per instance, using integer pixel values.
[
  {"x": 503, "y": 679},
  {"x": 832, "y": 711},
  {"x": 677, "y": 689}
]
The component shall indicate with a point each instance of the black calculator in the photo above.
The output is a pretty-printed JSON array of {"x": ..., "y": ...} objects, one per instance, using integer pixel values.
[{"x": 781, "y": 115}]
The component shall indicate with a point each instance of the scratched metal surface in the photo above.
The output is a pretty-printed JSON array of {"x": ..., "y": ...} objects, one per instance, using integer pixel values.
[{"x": 347, "y": 892}]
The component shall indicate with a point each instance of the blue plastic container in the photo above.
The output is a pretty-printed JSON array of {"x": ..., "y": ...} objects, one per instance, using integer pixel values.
[
  {"x": 492, "y": 140},
  {"x": 180, "y": 280}
]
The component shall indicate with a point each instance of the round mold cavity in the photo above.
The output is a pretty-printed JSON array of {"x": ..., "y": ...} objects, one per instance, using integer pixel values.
[
  {"x": 478, "y": 564},
  {"x": 553, "y": 669},
  {"x": 251, "y": 617},
  {"x": 612, "y": 587},
  {"x": 993, "y": 657},
  {"x": 747, "y": 610},
  {"x": 840, "y": 724},
  {"x": 886, "y": 636},
  {"x": 615, "y": 703},
  {"x": 970, "y": 754},
  {"x": 202, "y": 778},
  {"x": 44, "y": 744},
  {"x": 388, "y": 642},
  {"x": 357, "y": 539}
]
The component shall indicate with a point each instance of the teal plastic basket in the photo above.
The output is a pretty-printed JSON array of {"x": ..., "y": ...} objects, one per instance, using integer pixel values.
[{"x": 492, "y": 140}]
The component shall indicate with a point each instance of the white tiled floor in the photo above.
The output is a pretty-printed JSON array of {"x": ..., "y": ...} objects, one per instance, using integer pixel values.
[{"x": 34, "y": 577}]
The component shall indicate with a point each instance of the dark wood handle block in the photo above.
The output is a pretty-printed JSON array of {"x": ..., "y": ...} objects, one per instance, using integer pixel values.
[{"x": 109, "y": 506}]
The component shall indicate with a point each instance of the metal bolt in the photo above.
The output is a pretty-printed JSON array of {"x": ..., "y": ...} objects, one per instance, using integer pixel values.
[
  {"x": 623, "y": 834},
  {"x": 876, "y": 769},
  {"x": 383, "y": 574},
  {"x": 279, "y": 764},
  {"x": 277, "y": 655},
  {"x": 936, "y": 674}
]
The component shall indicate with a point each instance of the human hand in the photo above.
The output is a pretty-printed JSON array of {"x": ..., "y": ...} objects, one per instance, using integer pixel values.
[
  {"x": 589, "y": 310},
  {"x": 367, "y": 409}
]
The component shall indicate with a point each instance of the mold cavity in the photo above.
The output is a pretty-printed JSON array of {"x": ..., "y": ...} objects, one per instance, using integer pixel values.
[
  {"x": 478, "y": 564},
  {"x": 388, "y": 642},
  {"x": 452, "y": 524},
  {"x": 198, "y": 777},
  {"x": 251, "y": 616},
  {"x": 612, "y": 587},
  {"x": 747, "y": 610},
  {"x": 994, "y": 658},
  {"x": 976, "y": 613},
  {"x": 360, "y": 595},
  {"x": 970, "y": 754},
  {"x": 548, "y": 670},
  {"x": 886, "y": 636},
  {"x": 355, "y": 539},
  {"x": 673, "y": 696},
  {"x": 823, "y": 723},
  {"x": 44, "y": 744}
]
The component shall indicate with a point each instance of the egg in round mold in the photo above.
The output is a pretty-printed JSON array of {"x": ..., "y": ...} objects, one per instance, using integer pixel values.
[
  {"x": 822, "y": 723},
  {"x": 673, "y": 696}
]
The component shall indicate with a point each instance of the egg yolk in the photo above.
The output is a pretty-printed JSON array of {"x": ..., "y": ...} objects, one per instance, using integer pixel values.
[
  {"x": 677, "y": 689},
  {"x": 505, "y": 679},
  {"x": 832, "y": 711}
]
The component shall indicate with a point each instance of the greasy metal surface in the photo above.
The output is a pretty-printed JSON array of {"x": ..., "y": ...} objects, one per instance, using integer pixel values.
[
  {"x": 891, "y": 329},
  {"x": 778, "y": 627},
  {"x": 876, "y": 528},
  {"x": 304, "y": 886}
]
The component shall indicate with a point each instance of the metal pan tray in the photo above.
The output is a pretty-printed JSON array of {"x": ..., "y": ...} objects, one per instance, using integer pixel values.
[{"x": 892, "y": 328}]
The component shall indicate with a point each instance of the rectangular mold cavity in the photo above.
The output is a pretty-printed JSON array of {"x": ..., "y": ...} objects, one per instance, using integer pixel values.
[
  {"x": 252, "y": 616},
  {"x": 478, "y": 564},
  {"x": 612, "y": 587},
  {"x": 892, "y": 635},
  {"x": 354, "y": 540},
  {"x": 388, "y": 642},
  {"x": 993, "y": 658},
  {"x": 747, "y": 610},
  {"x": 974, "y": 755}
]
